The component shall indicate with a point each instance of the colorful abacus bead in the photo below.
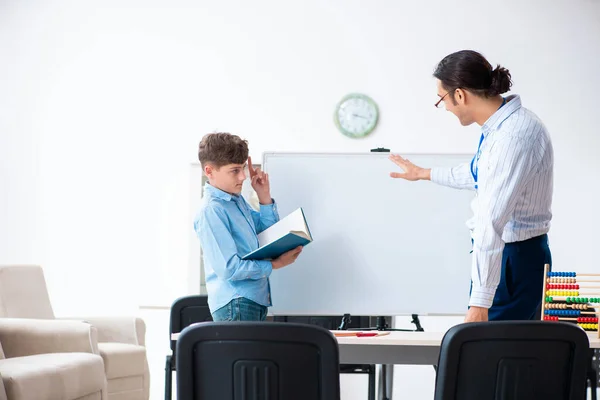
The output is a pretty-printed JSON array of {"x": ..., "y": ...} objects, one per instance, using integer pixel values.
[
  {"x": 559, "y": 306},
  {"x": 550, "y": 318},
  {"x": 578, "y": 300},
  {"x": 562, "y": 274},
  {"x": 563, "y": 306},
  {"x": 563, "y": 313},
  {"x": 561, "y": 280},
  {"x": 589, "y": 327},
  {"x": 562, "y": 293},
  {"x": 588, "y": 320},
  {"x": 562, "y": 286}
]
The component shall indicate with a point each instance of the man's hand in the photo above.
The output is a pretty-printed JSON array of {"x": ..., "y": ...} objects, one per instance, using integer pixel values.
[
  {"x": 260, "y": 183},
  {"x": 411, "y": 171},
  {"x": 286, "y": 258},
  {"x": 476, "y": 314}
]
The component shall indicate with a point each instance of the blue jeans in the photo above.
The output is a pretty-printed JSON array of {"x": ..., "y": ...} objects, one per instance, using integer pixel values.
[{"x": 241, "y": 309}]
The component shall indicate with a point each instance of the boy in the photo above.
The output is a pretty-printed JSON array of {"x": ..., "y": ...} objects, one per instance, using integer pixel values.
[{"x": 238, "y": 290}]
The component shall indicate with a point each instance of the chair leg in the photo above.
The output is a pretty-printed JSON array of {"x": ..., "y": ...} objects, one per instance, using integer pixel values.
[
  {"x": 372, "y": 372},
  {"x": 386, "y": 382},
  {"x": 168, "y": 379}
]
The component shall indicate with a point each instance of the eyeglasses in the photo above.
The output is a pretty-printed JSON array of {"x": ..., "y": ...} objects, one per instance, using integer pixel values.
[{"x": 437, "y": 105}]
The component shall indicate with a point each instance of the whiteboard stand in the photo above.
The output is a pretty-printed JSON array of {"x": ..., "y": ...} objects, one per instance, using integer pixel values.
[{"x": 381, "y": 325}]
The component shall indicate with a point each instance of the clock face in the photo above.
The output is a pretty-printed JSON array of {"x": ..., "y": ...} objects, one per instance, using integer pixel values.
[{"x": 356, "y": 115}]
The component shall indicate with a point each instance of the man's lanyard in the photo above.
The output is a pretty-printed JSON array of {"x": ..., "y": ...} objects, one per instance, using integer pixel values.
[{"x": 475, "y": 160}]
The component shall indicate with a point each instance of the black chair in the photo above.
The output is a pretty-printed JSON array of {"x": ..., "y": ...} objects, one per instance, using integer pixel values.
[
  {"x": 593, "y": 375},
  {"x": 516, "y": 360},
  {"x": 332, "y": 323},
  {"x": 184, "y": 312},
  {"x": 257, "y": 361}
]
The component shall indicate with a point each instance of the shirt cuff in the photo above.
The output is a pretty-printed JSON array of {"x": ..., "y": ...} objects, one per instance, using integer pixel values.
[
  {"x": 266, "y": 268},
  {"x": 440, "y": 175},
  {"x": 269, "y": 209},
  {"x": 482, "y": 297},
  {"x": 267, "y": 206}
]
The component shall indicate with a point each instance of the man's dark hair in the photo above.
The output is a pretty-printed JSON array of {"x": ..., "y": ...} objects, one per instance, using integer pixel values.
[
  {"x": 221, "y": 148},
  {"x": 469, "y": 70}
]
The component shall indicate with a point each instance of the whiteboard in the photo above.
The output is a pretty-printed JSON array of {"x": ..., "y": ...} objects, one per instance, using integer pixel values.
[{"x": 381, "y": 246}]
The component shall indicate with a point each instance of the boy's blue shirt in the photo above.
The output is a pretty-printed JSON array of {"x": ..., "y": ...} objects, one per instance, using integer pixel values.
[{"x": 227, "y": 227}]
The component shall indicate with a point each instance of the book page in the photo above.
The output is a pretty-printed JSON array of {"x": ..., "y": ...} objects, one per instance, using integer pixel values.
[{"x": 294, "y": 222}]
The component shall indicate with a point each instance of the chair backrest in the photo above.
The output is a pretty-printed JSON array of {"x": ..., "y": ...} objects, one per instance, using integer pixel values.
[
  {"x": 516, "y": 360},
  {"x": 595, "y": 367},
  {"x": 257, "y": 361},
  {"x": 186, "y": 311},
  {"x": 23, "y": 292}
]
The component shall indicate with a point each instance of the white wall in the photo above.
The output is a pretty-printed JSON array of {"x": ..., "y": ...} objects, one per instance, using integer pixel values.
[{"x": 102, "y": 105}]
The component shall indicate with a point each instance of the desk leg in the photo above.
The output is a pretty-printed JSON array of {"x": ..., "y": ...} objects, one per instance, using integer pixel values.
[{"x": 386, "y": 382}]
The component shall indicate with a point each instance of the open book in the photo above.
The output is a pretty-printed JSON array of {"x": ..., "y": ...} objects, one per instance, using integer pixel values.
[{"x": 285, "y": 235}]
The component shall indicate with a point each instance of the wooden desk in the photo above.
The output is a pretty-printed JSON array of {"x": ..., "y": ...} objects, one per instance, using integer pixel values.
[{"x": 413, "y": 348}]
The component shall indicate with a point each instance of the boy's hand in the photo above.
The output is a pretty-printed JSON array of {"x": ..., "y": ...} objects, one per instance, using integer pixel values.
[
  {"x": 286, "y": 258},
  {"x": 260, "y": 183}
]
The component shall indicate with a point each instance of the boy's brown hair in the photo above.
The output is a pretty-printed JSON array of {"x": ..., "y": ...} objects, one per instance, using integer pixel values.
[{"x": 221, "y": 149}]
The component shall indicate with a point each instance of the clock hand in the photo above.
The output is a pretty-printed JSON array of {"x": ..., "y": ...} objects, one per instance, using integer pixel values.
[{"x": 359, "y": 116}]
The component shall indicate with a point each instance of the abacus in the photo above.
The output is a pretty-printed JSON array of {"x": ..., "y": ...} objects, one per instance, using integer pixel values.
[{"x": 577, "y": 291}]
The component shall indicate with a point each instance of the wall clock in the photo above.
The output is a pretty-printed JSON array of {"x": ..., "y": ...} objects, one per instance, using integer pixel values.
[{"x": 356, "y": 115}]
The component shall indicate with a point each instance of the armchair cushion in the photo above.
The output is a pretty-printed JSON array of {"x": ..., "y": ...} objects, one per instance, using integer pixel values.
[
  {"x": 24, "y": 337},
  {"x": 123, "y": 360},
  {"x": 65, "y": 376}
]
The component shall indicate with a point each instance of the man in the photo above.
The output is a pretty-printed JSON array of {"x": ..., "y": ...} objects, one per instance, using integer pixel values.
[{"x": 511, "y": 174}]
